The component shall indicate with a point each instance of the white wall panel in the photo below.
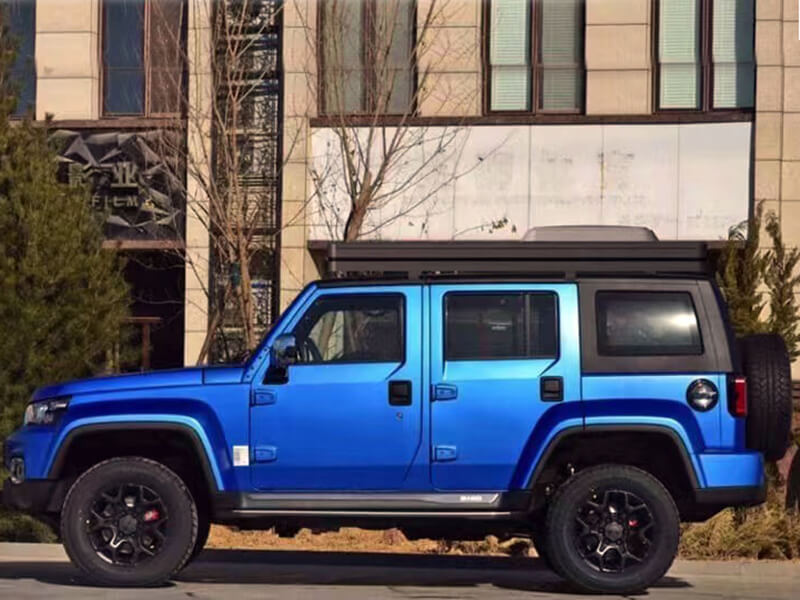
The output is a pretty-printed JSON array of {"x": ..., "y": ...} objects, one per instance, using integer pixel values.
[{"x": 683, "y": 181}]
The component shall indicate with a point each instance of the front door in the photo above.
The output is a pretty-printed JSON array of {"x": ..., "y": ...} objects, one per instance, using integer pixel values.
[
  {"x": 502, "y": 356},
  {"x": 348, "y": 415}
]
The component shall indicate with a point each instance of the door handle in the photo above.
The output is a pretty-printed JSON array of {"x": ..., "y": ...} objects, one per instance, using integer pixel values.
[
  {"x": 445, "y": 391},
  {"x": 551, "y": 389},
  {"x": 400, "y": 393}
]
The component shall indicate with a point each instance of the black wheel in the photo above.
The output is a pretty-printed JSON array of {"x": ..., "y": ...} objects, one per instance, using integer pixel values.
[
  {"x": 612, "y": 529},
  {"x": 203, "y": 529},
  {"x": 769, "y": 394},
  {"x": 129, "y": 522}
]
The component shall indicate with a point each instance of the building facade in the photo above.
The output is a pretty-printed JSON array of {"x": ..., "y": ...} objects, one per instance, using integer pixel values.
[{"x": 679, "y": 115}]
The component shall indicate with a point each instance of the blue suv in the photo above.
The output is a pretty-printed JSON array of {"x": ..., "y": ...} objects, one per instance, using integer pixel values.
[{"x": 590, "y": 396}]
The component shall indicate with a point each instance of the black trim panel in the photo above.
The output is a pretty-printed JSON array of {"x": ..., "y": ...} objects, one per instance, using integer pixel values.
[
  {"x": 34, "y": 496},
  {"x": 578, "y": 430},
  {"x": 63, "y": 451},
  {"x": 731, "y": 496}
]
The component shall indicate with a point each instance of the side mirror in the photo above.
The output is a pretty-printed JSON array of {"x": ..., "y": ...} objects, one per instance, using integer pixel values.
[{"x": 284, "y": 351}]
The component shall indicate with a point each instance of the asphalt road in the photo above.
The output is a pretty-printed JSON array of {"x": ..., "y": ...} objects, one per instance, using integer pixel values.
[{"x": 39, "y": 571}]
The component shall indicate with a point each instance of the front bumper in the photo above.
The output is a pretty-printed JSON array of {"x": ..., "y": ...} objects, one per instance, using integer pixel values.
[{"x": 34, "y": 496}]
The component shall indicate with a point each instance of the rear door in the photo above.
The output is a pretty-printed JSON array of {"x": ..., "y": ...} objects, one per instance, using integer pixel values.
[{"x": 502, "y": 357}]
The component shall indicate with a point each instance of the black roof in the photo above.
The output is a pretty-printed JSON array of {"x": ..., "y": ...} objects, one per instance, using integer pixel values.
[{"x": 517, "y": 259}]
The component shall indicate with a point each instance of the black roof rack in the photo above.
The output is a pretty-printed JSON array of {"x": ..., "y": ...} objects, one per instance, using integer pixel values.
[{"x": 561, "y": 260}]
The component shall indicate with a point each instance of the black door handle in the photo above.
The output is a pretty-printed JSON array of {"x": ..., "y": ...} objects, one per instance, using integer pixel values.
[
  {"x": 551, "y": 389},
  {"x": 400, "y": 393}
]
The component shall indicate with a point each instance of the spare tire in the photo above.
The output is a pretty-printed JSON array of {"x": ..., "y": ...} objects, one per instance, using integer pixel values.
[{"x": 765, "y": 363}]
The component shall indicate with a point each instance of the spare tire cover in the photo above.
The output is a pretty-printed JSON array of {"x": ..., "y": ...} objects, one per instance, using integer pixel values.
[{"x": 765, "y": 362}]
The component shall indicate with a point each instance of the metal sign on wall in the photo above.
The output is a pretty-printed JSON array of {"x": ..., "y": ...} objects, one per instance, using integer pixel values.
[{"x": 134, "y": 177}]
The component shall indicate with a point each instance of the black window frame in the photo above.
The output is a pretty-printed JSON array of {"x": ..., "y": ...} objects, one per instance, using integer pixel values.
[
  {"x": 526, "y": 324},
  {"x": 535, "y": 63},
  {"x": 147, "y": 68},
  {"x": 706, "y": 64},
  {"x": 368, "y": 107},
  {"x": 605, "y": 349},
  {"x": 401, "y": 298}
]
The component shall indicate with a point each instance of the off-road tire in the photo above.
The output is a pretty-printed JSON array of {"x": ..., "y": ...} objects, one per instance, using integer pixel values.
[
  {"x": 181, "y": 529},
  {"x": 766, "y": 366},
  {"x": 203, "y": 529},
  {"x": 561, "y": 526}
]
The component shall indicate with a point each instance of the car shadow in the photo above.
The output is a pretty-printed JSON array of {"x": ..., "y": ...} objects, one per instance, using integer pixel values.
[{"x": 281, "y": 567}]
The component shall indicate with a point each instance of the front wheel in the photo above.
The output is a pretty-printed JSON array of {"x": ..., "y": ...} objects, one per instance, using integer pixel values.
[
  {"x": 612, "y": 529},
  {"x": 129, "y": 522}
]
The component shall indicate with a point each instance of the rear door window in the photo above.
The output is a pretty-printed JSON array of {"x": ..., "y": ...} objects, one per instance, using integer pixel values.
[
  {"x": 636, "y": 323},
  {"x": 500, "y": 326}
]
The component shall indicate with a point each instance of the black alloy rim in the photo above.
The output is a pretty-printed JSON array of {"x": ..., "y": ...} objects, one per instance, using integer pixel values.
[
  {"x": 127, "y": 524},
  {"x": 614, "y": 530}
]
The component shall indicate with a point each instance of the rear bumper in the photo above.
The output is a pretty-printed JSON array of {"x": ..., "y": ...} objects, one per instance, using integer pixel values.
[{"x": 34, "y": 496}]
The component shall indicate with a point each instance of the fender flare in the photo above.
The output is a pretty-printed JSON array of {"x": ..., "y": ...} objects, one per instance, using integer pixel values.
[
  {"x": 210, "y": 473},
  {"x": 691, "y": 470}
]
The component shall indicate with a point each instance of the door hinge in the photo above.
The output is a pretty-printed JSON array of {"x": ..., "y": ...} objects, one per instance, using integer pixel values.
[{"x": 445, "y": 453}]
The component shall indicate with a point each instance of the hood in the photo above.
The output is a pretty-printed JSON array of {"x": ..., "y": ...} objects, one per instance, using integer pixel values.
[{"x": 136, "y": 381}]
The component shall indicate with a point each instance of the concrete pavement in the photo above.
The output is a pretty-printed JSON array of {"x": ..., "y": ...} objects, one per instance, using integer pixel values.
[{"x": 42, "y": 571}]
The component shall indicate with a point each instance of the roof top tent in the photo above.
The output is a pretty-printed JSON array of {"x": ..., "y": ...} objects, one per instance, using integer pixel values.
[{"x": 595, "y": 253}]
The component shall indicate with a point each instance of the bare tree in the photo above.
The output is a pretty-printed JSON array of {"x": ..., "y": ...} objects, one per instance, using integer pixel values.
[
  {"x": 379, "y": 69},
  {"x": 231, "y": 154}
]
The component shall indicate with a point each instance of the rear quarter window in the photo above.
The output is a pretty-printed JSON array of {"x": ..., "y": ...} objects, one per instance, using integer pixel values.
[{"x": 639, "y": 323}]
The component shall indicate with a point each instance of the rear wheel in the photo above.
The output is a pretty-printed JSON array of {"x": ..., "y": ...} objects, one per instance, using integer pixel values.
[
  {"x": 129, "y": 522},
  {"x": 612, "y": 529}
]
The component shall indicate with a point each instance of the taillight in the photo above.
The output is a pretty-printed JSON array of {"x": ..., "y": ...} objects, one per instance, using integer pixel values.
[{"x": 737, "y": 400}]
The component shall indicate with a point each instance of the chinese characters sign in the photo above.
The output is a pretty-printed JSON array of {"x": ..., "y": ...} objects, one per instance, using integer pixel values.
[{"x": 133, "y": 180}]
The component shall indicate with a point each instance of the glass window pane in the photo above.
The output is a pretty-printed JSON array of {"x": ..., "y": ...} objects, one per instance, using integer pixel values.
[
  {"x": 392, "y": 56},
  {"x": 22, "y": 27},
  {"x": 124, "y": 91},
  {"x": 562, "y": 89},
  {"x": 500, "y": 326},
  {"x": 348, "y": 329},
  {"x": 511, "y": 88},
  {"x": 679, "y": 53},
  {"x": 343, "y": 56},
  {"x": 509, "y": 54},
  {"x": 167, "y": 21},
  {"x": 647, "y": 324},
  {"x": 732, "y": 53},
  {"x": 123, "y": 56}
]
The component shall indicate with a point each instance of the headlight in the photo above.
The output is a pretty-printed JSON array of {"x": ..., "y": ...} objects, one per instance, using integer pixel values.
[{"x": 45, "y": 412}]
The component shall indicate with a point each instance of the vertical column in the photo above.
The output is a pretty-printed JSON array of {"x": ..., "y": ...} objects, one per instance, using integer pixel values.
[
  {"x": 198, "y": 132},
  {"x": 618, "y": 57},
  {"x": 67, "y": 59},
  {"x": 299, "y": 105}
]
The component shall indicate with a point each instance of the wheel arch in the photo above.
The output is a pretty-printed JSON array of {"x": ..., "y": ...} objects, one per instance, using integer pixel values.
[{"x": 122, "y": 435}]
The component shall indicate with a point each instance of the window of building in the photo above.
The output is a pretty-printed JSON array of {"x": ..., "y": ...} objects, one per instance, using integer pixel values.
[
  {"x": 22, "y": 28},
  {"x": 143, "y": 57},
  {"x": 705, "y": 54},
  {"x": 352, "y": 329},
  {"x": 367, "y": 57},
  {"x": 535, "y": 55},
  {"x": 647, "y": 324},
  {"x": 500, "y": 326}
]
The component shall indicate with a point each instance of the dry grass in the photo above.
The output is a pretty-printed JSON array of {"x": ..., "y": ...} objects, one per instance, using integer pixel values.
[
  {"x": 766, "y": 531},
  {"x": 351, "y": 539}
]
